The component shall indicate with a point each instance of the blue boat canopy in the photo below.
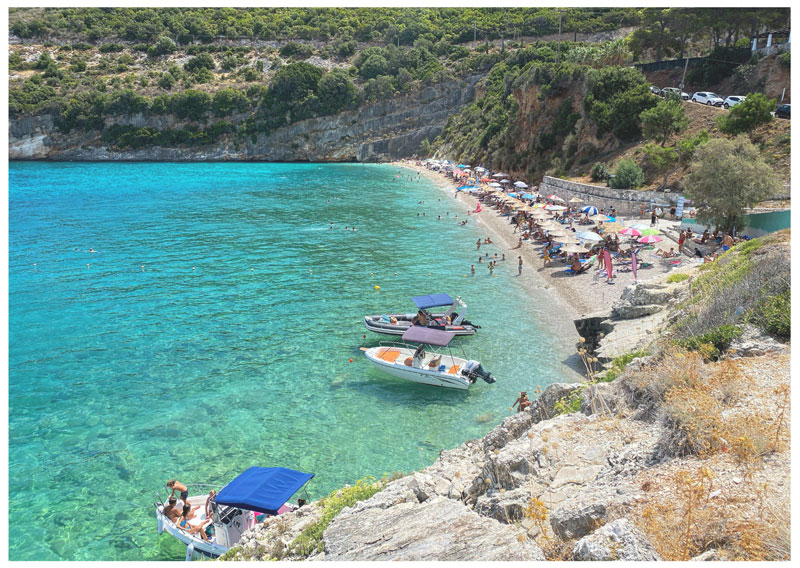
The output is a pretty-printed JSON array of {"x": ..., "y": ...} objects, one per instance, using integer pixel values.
[
  {"x": 419, "y": 334},
  {"x": 263, "y": 489},
  {"x": 432, "y": 301}
]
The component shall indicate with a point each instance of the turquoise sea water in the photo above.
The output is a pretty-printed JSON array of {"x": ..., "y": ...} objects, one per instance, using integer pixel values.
[{"x": 213, "y": 329}]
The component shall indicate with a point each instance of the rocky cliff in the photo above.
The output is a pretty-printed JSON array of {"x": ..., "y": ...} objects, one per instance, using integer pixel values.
[{"x": 386, "y": 130}]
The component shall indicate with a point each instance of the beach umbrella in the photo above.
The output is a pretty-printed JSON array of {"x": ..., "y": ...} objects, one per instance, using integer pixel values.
[
  {"x": 569, "y": 239},
  {"x": 539, "y": 214},
  {"x": 528, "y": 196},
  {"x": 576, "y": 200},
  {"x": 505, "y": 181},
  {"x": 589, "y": 209},
  {"x": 589, "y": 236},
  {"x": 495, "y": 184},
  {"x": 640, "y": 226},
  {"x": 485, "y": 179},
  {"x": 649, "y": 239},
  {"x": 520, "y": 184},
  {"x": 500, "y": 175},
  {"x": 512, "y": 194},
  {"x": 599, "y": 218},
  {"x": 573, "y": 249},
  {"x": 554, "y": 198},
  {"x": 630, "y": 232},
  {"x": 650, "y": 231},
  {"x": 554, "y": 208},
  {"x": 611, "y": 228},
  {"x": 480, "y": 169}
]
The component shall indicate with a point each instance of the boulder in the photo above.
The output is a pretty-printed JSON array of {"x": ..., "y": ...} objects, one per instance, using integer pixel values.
[
  {"x": 753, "y": 342},
  {"x": 438, "y": 529},
  {"x": 505, "y": 506},
  {"x": 619, "y": 540},
  {"x": 543, "y": 408},
  {"x": 574, "y": 519},
  {"x": 600, "y": 398}
]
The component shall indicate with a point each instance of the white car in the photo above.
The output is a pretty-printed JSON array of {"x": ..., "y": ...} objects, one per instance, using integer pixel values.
[
  {"x": 733, "y": 101},
  {"x": 711, "y": 99}
]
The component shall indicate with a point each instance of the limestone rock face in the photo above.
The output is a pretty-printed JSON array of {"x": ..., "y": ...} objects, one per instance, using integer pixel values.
[
  {"x": 377, "y": 132},
  {"x": 619, "y": 540},
  {"x": 438, "y": 529},
  {"x": 643, "y": 299}
]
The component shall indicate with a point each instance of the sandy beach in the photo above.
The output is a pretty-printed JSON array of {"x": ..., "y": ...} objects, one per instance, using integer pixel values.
[{"x": 579, "y": 295}]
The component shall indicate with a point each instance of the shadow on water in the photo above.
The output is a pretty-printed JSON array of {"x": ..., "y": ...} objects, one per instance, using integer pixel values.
[{"x": 575, "y": 363}]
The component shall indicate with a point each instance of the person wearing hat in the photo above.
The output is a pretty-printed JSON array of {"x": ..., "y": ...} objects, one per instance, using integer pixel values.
[{"x": 523, "y": 401}]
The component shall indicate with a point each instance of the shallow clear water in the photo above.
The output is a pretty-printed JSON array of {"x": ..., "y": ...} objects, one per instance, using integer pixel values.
[{"x": 213, "y": 331}]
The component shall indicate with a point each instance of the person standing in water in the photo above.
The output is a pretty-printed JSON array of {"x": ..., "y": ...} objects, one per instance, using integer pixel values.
[{"x": 519, "y": 273}]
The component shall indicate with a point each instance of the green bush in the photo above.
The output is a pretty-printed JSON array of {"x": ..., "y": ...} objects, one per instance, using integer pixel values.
[
  {"x": 628, "y": 175},
  {"x": 163, "y": 46},
  {"x": 310, "y": 540},
  {"x": 599, "y": 171},
  {"x": 720, "y": 338},
  {"x": 32, "y": 96},
  {"x": 228, "y": 101},
  {"x": 774, "y": 314},
  {"x": 618, "y": 365},
  {"x": 786, "y": 59},
  {"x": 166, "y": 81},
  {"x": 677, "y": 277},
  {"x": 251, "y": 74},
  {"x": 755, "y": 110},
  {"x": 111, "y": 48},
  {"x": 191, "y": 104},
  {"x": 296, "y": 50},
  {"x": 202, "y": 61},
  {"x": 616, "y": 98}
]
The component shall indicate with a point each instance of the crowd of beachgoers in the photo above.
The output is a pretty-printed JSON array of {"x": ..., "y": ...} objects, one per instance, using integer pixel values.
[{"x": 566, "y": 239}]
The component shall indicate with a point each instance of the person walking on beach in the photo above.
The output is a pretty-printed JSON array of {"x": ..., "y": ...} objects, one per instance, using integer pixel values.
[
  {"x": 681, "y": 240},
  {"x": 653, "y": 218},
  {"x": 519, "y": 273},
  {"x": 547, "y": 258}
]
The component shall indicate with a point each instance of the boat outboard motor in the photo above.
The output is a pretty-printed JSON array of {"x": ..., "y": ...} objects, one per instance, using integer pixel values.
[{"x": 473, "y": 370}]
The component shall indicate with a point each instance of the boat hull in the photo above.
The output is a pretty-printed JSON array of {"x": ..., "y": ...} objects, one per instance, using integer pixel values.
[
  {"x": 375, "y": 324},
  {"x": 422, "y": 375}
]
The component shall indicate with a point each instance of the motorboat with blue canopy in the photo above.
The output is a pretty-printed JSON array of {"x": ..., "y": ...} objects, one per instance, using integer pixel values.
[
  {"x": 450, "y": 320},
  {"x": 414, "y": 363},
  {"x": 219, "y": 522}
]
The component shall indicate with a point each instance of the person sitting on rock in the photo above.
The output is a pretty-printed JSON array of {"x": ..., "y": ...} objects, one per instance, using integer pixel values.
[{"x": 523, "y": 401}]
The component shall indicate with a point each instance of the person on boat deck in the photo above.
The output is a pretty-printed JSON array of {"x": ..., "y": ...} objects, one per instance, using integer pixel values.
[
  {"x": 171, "y": 511},
  {"x": 523, "y": 401},
  {"x": 176, "y": 485},
  {"x": 421, "y": 318},
  {"x": 211, "y": 495},
  {"x": 183, "y": 522},
  {"x": 419, "y": 355}
]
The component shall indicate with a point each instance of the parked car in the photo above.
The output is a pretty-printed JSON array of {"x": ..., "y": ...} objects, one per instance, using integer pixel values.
[
  {"x": 733, "y": 101},
  {"x": 706, "y": 97},
  {"x": 666, "y": 90},
  {"x": 784, "y": 111},
  {"x": 655, "y": 90}
]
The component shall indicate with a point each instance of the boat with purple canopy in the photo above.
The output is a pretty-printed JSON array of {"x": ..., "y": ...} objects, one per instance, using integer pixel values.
[
  {"x": 450, "y": 320},
  {"x": 415, "y": 363}
]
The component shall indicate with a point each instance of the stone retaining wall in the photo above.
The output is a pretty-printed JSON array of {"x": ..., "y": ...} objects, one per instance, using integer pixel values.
[{"x": 627, "y": 202}]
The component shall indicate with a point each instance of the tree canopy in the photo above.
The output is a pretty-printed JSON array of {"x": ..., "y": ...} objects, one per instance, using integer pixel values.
[{"x": 727, "y": 177}]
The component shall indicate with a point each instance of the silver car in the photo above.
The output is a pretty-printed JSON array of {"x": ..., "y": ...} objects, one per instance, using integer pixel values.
[
  {"x": 667, "y": 90},
  {"x": 707, "y": 97},
  {"x": 733, "y": 101}
]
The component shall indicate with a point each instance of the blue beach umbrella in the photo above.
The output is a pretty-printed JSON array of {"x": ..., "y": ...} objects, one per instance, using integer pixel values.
[
  {"x": 590, "y": 209},
  {"x": 513, "y": 195},
  {"x": 528, "y": 196}
]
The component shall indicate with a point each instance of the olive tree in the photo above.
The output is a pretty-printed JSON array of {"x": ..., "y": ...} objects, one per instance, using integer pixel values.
[{"x": 727, "y": 177}]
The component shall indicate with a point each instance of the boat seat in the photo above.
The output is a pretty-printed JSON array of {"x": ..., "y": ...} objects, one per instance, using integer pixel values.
[
  {"x": 453, "y": 370},
  {"x": 389, "y": 355}
]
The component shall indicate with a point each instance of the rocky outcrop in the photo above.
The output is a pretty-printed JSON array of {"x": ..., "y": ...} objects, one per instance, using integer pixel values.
[
  {"x": 437, "y": 529},
  {"x": 382, "y": 131},
  {"x": 643, "y": 299},
  {"x": 619, "y": 540}
]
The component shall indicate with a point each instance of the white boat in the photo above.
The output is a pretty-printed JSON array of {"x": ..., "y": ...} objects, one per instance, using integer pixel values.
[
  {"x": 450, "y": 320},
  {"x": 256, "y": 491},
  {"x": 414, "y": 363}
]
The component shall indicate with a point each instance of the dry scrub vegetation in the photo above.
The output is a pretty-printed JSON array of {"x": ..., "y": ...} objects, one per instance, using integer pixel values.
[{"x": 727, "y": 426}]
